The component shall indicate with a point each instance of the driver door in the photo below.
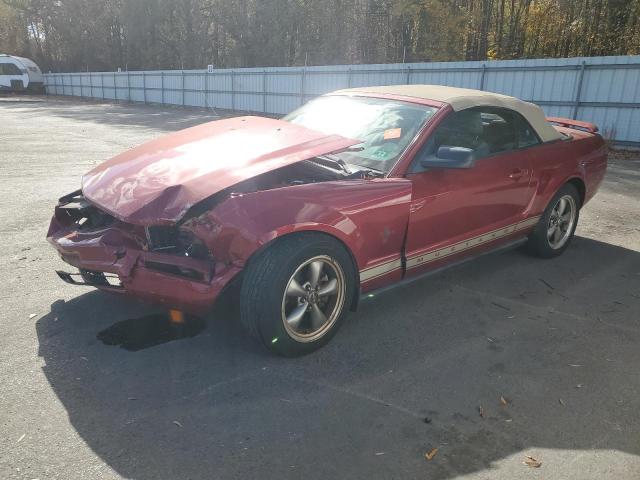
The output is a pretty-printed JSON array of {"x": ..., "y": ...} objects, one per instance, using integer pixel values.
[{"x": 456, "y": 212}]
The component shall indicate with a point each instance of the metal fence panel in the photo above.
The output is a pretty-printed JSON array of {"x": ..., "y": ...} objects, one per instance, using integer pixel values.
[{"x": 603, "y": 90}]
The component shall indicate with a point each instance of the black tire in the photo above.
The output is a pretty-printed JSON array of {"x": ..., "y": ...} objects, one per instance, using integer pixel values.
[
  {"x": 539, "y": 243},
  {"x": 267, "y": 277}
]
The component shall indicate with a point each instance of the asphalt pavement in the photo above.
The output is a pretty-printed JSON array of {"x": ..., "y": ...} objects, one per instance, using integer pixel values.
[{"x": 489, "y": 362}]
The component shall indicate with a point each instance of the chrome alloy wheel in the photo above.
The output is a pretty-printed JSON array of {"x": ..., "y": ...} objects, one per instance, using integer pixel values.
[
  {"x": 561, "y": 221},
  {"x": 313, "y": 299}
]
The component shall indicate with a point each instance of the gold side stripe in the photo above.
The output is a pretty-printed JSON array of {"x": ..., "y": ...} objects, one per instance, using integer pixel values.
[
  {"x": 381, "y": 275},
  {"x": 513, "y": 227},
  {"x": 420, "y": 259},
  {"x": 379, "y": 270}
]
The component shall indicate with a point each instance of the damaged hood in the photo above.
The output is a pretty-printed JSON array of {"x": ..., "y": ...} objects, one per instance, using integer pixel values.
[{"x": 159, "y": 181}]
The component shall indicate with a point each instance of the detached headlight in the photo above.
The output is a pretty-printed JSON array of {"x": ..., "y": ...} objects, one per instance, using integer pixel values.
[{"x": 176, "y": 241}]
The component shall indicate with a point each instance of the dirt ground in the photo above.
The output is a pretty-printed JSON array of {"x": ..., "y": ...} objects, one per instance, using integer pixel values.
[{"x": 558, "y": 340}]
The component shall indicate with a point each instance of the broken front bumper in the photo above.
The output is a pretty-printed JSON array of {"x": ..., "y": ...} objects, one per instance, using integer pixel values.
[{"x": 113, "y": 258}]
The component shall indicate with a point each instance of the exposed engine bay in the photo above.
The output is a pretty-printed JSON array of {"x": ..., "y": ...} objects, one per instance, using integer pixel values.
[
  {"x": 315, "y": 170},
  {"x": 320, "y": 169},
  {"x": 74, "y": 210}
]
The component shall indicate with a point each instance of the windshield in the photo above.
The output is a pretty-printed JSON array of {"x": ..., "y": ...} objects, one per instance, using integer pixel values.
[{"x": 385, "y": 127}]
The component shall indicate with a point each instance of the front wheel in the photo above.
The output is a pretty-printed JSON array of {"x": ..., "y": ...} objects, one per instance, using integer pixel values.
[
  {"x": 295, "y": 294},
  {"x": 557, "y": 224}
]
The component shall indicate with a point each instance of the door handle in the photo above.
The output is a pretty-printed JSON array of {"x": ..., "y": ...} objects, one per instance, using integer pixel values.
[{"x": 518, "y": 173}]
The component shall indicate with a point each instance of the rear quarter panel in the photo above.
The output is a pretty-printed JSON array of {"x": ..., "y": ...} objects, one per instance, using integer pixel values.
[{"x": 582, "y": 157}]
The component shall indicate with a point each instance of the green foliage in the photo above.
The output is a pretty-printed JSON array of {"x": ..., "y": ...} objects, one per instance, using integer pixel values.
[{"x": 71, "y": 35}]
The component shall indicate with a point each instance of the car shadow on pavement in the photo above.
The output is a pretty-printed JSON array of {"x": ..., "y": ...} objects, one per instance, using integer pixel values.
[{"x": 499, "y": 358}]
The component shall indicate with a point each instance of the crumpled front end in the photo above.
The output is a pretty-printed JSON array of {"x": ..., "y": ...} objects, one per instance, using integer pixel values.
[{"x": 167, "y": 265}]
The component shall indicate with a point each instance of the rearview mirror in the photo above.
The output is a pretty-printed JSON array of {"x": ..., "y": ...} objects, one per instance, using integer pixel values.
[{"x": 450, "y": 157}]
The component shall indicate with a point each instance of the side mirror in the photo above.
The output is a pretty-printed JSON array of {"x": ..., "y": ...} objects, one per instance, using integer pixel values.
[{"x": 450, "y": 157}]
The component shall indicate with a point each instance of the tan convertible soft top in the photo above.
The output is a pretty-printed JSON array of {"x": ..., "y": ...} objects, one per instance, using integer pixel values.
[{"x": 463, "y": 98}]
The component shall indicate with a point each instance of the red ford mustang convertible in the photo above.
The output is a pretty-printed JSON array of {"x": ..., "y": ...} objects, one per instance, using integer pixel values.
[{"x": 355, "y": 191}]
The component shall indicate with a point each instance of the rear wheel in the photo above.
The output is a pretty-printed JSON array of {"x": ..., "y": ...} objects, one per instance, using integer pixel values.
[
  {"x": 557, "y": 225},
  {"x": 294, "y": 294}
]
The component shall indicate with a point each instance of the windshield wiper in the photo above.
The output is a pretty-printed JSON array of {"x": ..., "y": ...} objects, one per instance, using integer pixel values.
[
  {"x": 337, "y": 161},
  {"x": 355, "y": 148},
  {"x": 366, "y": 171},
  {"x": 372, "y": 172}
]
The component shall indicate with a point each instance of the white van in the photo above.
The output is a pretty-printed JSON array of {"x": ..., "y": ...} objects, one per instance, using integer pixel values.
[{"x": 20, "y": 74}]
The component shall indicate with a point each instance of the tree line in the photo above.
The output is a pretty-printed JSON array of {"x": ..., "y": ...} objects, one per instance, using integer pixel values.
[{"x": 94, "y": 35}]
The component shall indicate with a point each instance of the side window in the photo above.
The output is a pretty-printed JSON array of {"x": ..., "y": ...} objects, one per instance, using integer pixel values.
[
  {"x": 485, "y": 130},
  {"x": 9, "y": 69},
  {"x": 527, "y": 136},
  {"x": 499, "y": 130},
  {"x": 459, "y": 129},
  {"x": 505, "y": 130}
]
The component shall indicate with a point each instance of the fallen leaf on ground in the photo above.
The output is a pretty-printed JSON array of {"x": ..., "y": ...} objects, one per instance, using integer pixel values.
[
  {"x": 178, "y": 423},
  {"x": 481, "y": 411},
  {"x": 503, "y": 401},
  {"x": 532, "y": 462},
  {"x": 547, "y": 283},
  {"x": 500, "y": 305},
  {"x": 430, "y": 454}
]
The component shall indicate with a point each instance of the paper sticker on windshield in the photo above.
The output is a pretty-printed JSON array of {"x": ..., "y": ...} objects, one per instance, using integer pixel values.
[{"x": 392, "y": 133}]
